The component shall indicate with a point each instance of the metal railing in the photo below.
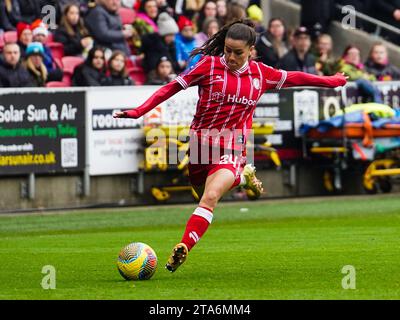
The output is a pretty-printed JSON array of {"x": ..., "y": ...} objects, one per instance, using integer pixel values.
[{"x": 378, "y": 23}]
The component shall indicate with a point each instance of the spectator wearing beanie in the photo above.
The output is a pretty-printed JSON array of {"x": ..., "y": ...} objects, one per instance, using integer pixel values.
[
  {"x": 10, "y": 14},
  {"x": 105, "y": 26},
  {"x": 157, "y": 45},
  {"x": 25, "y": 36},
  {"x": 185, "y": 43},
  {"x": 34, "y": 64},
  {"x": 12, "y": 73}
]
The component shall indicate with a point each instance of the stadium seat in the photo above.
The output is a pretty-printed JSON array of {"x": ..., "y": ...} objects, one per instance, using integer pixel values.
[
  {"x": 10, "y": 36},
  {"x": 138, "y": 75},
  {"x": 50, "y": 38},
  {"x": 69, "y": 63},
  {"x": 57, "y": 49},
  {"x": 127, "y": 15},
  {"x": 57, "y": 84}
]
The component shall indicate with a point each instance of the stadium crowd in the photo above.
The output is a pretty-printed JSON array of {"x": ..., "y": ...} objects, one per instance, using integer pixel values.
[{"x": 134, "y": 42}]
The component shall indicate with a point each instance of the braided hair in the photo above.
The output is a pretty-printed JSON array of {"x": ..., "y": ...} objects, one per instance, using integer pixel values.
[{"x": 242, "y": 29}]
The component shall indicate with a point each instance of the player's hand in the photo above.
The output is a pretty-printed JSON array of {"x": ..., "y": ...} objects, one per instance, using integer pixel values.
[
  {"x": 342, "y": 78},
  {"x": 120, "y": 114}
]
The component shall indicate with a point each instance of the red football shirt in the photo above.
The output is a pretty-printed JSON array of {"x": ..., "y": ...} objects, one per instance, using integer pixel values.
[{"x": 227, "y": 99}]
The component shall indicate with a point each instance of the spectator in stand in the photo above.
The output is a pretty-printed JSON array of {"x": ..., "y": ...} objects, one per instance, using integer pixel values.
[
  {"x": 118, "y": 74},
  {"x": 34, "y": 64},
  {"x": 146, "y": 18},
  {"x": 163, "y": 74},
  {"x": 93, "y": 71},
  {"x": 326, "y": 63},
  {"x": 185, "y": 43},
  {"x": 25, "y": 37},
  {"x": 235, "y": 12},
  {"x": 222, "y": 11},
  {"x": 30, "y": 10},
  {"x": 12, "y": 73},
  {"x": 105, "y": 26},
  {"x": 378, "y": 64},
  {"x": 10, "y": 14},
  {"x": 350, "y": 64},
  {"x": 163, "y": 6},
  {"x": 300, "y": 57},
  {"x": 72, "y": 33},
  {"x": 40, "y": 34},
  {"x": 209, "y": 9},
  {"x": 188, "y": 8},
  {"x": 256, "y": 15},
  {"x": 273, "y": 45},
  {"x": 157, "y": 45},
  {"x": 210, "y": 27}
]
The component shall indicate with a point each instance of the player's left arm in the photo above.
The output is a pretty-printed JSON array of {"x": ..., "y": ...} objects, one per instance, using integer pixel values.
[{"x": 297, "y": 78}]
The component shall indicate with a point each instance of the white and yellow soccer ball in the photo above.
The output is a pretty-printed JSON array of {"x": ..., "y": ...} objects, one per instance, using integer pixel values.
[{"x": 137, "y": 261}]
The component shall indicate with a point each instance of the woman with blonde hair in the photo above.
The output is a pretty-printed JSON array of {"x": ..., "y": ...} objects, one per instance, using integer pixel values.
[{"x": 34, "y": 64}]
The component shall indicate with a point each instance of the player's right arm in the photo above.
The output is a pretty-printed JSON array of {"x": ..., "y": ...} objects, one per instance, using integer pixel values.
[{"x": 186, "y": 79}]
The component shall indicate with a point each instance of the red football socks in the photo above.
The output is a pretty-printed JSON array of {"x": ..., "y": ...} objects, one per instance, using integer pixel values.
[{"x": 196, "y": 226}]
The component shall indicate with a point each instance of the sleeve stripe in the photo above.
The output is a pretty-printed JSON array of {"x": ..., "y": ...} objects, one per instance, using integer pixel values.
[
  {"x": 182, "y": 82},
  {"x": 283, "y": 79}
]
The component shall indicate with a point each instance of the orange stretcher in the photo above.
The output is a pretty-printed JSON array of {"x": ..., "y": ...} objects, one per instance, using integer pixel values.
[{"x": 337, "y": 143}]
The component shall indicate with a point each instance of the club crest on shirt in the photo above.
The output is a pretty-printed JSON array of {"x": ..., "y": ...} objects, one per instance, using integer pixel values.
[
  {"x": 217, "y": 96},
  {"x": 256, "y": 83}
]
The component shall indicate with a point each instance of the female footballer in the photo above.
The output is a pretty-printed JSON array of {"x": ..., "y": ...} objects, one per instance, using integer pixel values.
[{"x": 230, "y": 84}]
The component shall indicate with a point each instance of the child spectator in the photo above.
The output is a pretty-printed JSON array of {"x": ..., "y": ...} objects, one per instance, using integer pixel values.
[
  {"x": 185, "y": 43},
  {"x": 72, "y": 32},
  {"x": 378, "y": 64},
  {"x": 40, "y": 34},
  {"x": 210, "y": 27},
  {"x": 34, "y": 64},
  {"x": 118, "y": 74},
  {"x": 12, "y": 73},
  {"x": 93, "y": 71},
  {"x": 163, "y": 74}
]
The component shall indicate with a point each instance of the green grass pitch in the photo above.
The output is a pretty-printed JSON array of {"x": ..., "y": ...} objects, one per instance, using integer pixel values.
[{"x": 280, "y": 249}]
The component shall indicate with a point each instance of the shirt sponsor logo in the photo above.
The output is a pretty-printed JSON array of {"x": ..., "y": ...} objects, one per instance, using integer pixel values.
[{"x": 242, "y": 100}]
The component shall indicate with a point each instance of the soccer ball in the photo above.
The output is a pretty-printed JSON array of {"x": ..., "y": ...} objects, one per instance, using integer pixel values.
[{"x": 137, "y": 261}]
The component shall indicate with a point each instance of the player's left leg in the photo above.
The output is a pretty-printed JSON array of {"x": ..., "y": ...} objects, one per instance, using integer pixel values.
[{"x": 217, "y": 184}]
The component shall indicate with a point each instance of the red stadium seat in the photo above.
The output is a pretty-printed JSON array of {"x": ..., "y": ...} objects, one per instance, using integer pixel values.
[
  {"x": 50, "y": 38},
  {"x": 57, "y": 49},
  {"x": 138, "y": 75},
  {"x": 127, "y": 15},
  {"x": 67, "y": 79},
  {"x": 70, "y": 63},
  {"x": 10, "y": 37},
  {"x": 57, "y": 84}
]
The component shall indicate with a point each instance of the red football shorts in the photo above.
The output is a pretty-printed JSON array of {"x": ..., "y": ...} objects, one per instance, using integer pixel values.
[{"x": 201, "y": 166}]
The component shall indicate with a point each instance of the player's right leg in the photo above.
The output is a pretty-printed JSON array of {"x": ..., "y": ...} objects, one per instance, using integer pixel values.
[{"x": 217, "y": 184}]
